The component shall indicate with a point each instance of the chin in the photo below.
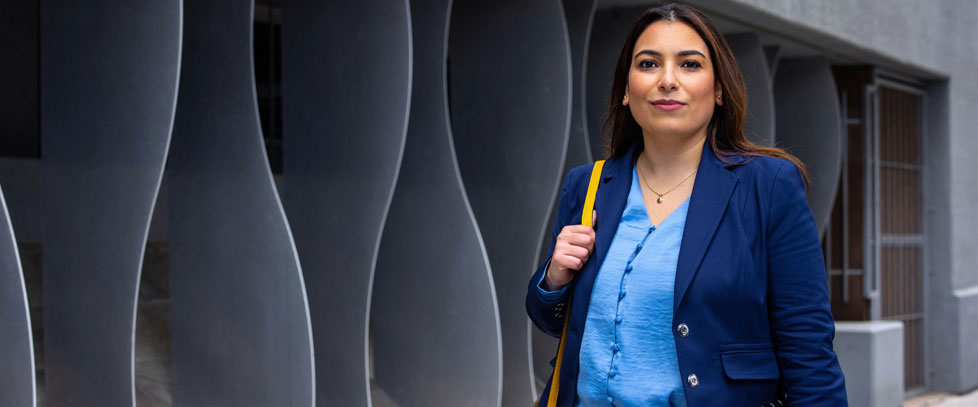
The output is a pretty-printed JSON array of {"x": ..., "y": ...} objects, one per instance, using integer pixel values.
[{"x": 671, "y": 131}]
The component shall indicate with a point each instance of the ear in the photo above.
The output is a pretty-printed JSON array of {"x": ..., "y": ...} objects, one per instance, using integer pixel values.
[
  {"x": 624, "y": 101},
  {"x": 718, "y": 92}
]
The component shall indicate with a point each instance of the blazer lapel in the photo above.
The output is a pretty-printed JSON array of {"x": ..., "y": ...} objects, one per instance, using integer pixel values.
[
  {"x": 711, "y": 192},
  {"x": 616, "y": 180}
]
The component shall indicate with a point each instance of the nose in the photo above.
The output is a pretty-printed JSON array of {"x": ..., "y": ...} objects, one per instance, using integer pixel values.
[{"x": 667, "y": 82}]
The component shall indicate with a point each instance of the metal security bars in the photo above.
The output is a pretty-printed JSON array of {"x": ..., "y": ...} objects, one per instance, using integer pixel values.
[
  {"x": 900, "y": 234},
  {"x": 874, "y": 247}
]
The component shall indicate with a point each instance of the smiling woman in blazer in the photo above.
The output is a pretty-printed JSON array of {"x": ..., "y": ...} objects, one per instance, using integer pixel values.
[{"x": 702, "y": 282}]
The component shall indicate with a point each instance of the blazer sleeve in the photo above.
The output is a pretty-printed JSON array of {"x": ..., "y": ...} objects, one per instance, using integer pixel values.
[
  {"x": 800, "y": 314},
  {"x": 545, "y": 312}
]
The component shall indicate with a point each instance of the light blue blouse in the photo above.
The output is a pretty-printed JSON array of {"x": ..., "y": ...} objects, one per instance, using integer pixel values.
[{"x": 628, "y": 355}]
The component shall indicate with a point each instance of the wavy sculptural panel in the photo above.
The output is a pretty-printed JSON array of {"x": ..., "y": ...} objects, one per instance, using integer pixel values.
[
  {"x": 341, "y": 157},
  {"x": 17, "y": 387},
  {"x": 812, "y": 131},
  {"x": 109, "y": 74},
  {"x": 608, "y": 31},
  {"x": 434, "y": 318},
  {"x": 753, "y": 63},
  {"x": 580, "y": 16},
  {"x": 510, "y": 123},
  {"x": 240, "y": 323}
]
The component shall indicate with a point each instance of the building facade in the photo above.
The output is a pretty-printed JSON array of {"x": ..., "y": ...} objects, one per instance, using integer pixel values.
[{"x": 337, "y": 203}]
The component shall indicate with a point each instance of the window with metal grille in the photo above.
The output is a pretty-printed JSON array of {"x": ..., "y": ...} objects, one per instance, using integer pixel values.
[
  {"x": 900, "y": 231},
  {"x": 874, "y": 246}
]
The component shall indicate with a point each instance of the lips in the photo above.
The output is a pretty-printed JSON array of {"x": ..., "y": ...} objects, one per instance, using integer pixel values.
[{"x": 668, "y": 104}]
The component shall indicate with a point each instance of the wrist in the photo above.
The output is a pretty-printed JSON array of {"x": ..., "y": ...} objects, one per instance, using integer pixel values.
[{"x": 549, "y": 284}]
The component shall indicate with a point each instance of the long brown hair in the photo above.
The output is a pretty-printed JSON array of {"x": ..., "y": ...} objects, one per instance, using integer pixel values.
[{"x": 725, "y": 133}]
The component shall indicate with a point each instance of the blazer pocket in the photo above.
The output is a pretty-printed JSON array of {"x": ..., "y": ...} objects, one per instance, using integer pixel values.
[{"x": 750, "y": 364}]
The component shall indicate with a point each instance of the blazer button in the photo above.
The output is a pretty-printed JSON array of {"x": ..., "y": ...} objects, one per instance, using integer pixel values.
[
  {"x": 683, "y": 330},
  {"x": 693, "y": 381}
]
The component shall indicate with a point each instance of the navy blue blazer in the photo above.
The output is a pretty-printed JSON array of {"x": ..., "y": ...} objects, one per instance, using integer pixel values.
[{"x": 750, "y": 285}]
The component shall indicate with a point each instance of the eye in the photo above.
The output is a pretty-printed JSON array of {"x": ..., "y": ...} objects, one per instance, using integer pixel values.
[
  {"x": 646, "y": 64},
  {"x": 691, "y": 64}
]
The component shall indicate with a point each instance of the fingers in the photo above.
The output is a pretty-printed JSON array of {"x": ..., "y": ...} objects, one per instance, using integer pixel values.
[
  {"x": 577, "y": 229},
  {"x": 569, "y": 262},
  {"x": 573, "y": 247},
  {"x": 577, "y": 235},
  {"x": 580, "y": 252},
  {"x": 580, "y": 237}
]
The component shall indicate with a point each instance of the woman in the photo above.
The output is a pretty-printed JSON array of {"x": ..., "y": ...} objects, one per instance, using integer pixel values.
[{"x": 702, "y": 282}]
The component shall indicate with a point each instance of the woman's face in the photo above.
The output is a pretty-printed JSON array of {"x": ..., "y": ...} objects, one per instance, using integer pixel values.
[{"x": 671, "y": 91}]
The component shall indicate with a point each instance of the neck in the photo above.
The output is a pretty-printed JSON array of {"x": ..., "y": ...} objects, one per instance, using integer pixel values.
[{"x": 671, "y": 156}]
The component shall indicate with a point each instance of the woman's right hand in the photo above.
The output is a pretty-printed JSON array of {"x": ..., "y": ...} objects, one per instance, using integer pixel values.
[{"x": 572, "y": 249}]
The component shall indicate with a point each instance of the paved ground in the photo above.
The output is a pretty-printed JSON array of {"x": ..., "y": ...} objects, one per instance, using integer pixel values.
[
  {"x": 944, "y": 400},
  {"x": 381, "y": 399}
]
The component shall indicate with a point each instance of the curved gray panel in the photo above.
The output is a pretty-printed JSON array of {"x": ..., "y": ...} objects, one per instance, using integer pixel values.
[
  {"x": 17, "y": 386},
  {"x": 580, "y": 16},
  {"x": 510, "y": 122},
  {"x": 608, "y": 31},
  {"x": 240, "y": 323},
  {"x": 434, "y": 318},
  {"x": 759, "y": 125},
  {"x": 327, "y": 138},
  {"x": 109, "y": 74},
  {"x": 812, "y": 131},
  {"x": 772, "y": 53}
]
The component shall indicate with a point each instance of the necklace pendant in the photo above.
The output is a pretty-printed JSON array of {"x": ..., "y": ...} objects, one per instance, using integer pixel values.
[{"x": 659, "y": 200}]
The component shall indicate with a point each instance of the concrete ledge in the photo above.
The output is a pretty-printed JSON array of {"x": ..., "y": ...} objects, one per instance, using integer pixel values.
[
  {"x": 967, "y": 307},
  {"x": 871, "y": 356}
]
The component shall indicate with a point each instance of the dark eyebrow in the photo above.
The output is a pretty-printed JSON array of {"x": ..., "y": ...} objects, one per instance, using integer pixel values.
[
  {"x": 691, "y": 52},
  {"x": 655, "y": 53},
  {"x": 648, "y": 52}
]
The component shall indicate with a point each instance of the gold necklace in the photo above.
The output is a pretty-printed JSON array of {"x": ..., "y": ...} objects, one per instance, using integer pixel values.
[{"x": 659, "y": 200}]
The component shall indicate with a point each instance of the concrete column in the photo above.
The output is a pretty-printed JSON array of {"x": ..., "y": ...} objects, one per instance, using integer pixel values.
[
  {"x": 345, "y": 102},
  {"x": 511, "y": 111},
  {"x": 241, "y": 331},
  {"x": 434, "y": 317},
  {"x": 871, "y": 356},
  {"x": 109, "y": 73}
]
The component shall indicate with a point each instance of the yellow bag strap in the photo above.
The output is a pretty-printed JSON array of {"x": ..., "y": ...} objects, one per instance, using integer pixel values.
[{"x": 592, "y": 190}]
